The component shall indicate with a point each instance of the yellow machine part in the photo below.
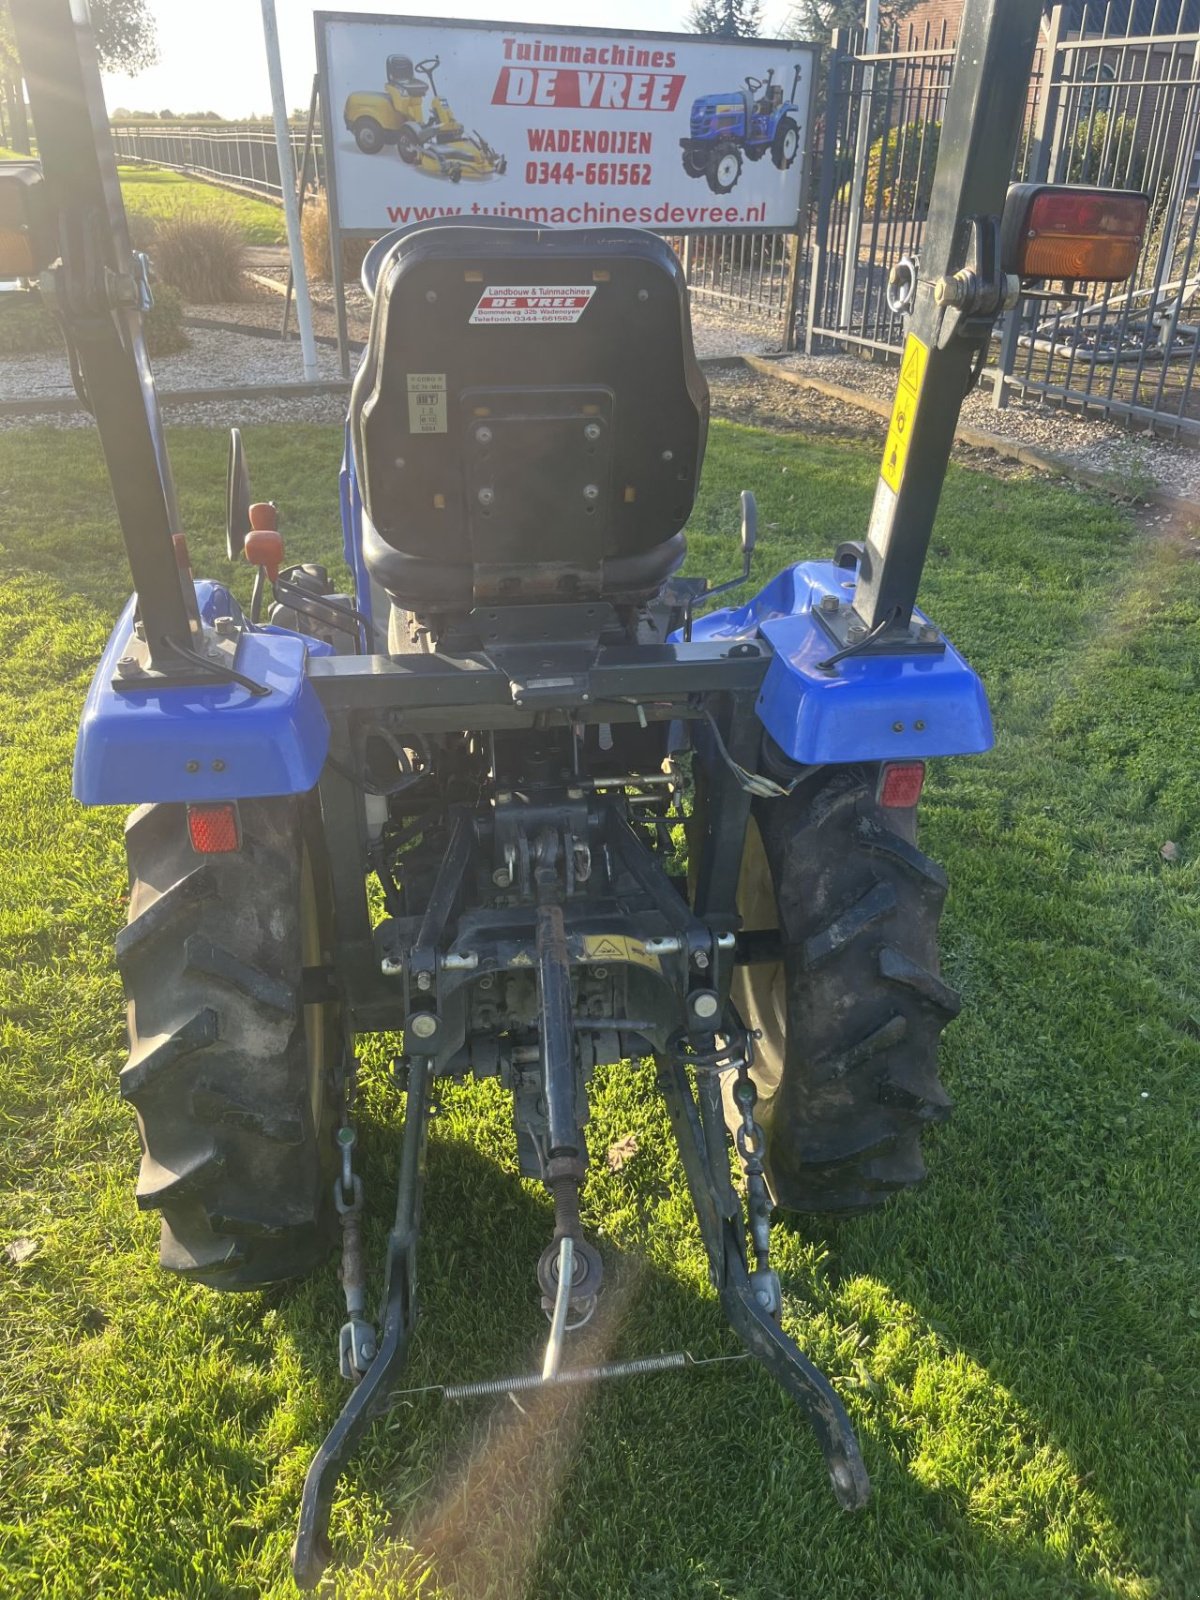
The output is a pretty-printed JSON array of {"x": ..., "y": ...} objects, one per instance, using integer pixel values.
[
  {"x": 408, "y": 107},
  {"x": 389, "y": 109}
]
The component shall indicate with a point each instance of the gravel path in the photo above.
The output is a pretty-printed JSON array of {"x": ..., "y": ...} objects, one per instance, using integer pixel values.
[
  {"x": 1137, "y": 460},
  {"x": 212, "y": 361},
  {"x": 221, "y": 359}
]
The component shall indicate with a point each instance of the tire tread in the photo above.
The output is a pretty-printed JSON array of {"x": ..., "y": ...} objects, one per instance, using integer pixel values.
[
  {"x": 857, "y": 1082},
  {"x": 218, "y": 1068}
]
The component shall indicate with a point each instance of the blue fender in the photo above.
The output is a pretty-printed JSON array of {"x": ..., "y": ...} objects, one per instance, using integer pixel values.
[
  {"x": 868, "y": 708},
  {"x": 218, "y": 743}
]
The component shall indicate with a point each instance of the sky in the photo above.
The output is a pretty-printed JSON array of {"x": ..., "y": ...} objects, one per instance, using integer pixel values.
[{"x": 212, "y": 56}]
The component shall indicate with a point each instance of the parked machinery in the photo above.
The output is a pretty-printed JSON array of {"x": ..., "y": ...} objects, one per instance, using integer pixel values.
[
  {"x": 437, "y": 143},
  {"x": 749, "y": 123}
]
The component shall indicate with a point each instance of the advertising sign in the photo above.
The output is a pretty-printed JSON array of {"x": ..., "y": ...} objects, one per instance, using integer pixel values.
[{"x": 566, "y": 126}]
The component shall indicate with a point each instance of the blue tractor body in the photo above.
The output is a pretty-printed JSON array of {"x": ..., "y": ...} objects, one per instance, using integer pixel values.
[
  {"x": 747, "y": 123},
  {"x": 494, "y": 723},
  {"x": 222, "y": 743}
]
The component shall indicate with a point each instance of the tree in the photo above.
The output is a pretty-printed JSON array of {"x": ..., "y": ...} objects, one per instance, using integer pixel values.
[
  {"x": 125, "y": 38},
  {"x": 125, "y": 42},
  {"x": 816, "y": 19},
  {"x": 727, "y": 19}
]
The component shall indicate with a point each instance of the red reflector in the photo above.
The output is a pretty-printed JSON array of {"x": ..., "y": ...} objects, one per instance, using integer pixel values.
[
  {"x": 214, "y": 829},
  {"x": 900, "y": 783}
]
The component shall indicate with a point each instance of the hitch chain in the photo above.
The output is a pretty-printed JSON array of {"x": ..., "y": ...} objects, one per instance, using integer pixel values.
[
  {"x": 751, "y": 1147},
  {"x": 357, "y": 1339}
]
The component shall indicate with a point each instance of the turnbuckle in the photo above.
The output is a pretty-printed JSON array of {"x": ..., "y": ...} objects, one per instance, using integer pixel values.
[
  {"x": 751, "y": 1148},
  {"x": 357, "y": 1339}
]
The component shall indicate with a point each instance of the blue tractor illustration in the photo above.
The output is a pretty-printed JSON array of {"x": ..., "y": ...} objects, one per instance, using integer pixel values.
[{"x": 742, "y": 122}]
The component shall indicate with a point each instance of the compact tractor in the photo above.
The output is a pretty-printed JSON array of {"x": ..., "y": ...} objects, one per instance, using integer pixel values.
[
  {"x": 506, "y": 727},
  {"x": 744, "y": 122},
  {"x": 437, "y": 144}
]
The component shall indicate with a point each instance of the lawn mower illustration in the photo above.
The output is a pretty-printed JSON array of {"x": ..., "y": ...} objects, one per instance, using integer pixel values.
[
  {"x": 522, "y": 798},
  {"x": 749, "y": 122},
  {"x": 438, "y": 143}
]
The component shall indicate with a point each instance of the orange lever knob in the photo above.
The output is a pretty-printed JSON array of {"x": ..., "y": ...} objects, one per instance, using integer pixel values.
[
  {"x": 263, "y": 515},
  {"x": 263, "y": 547}
]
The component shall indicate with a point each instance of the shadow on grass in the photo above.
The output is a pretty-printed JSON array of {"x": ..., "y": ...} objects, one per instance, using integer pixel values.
[{"x": 683, "y": 1484}]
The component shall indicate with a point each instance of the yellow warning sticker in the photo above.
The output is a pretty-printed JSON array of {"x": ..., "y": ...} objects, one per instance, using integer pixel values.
[
  {"x": 616, "y": 947},
  {"x": 904, "y": 411}
]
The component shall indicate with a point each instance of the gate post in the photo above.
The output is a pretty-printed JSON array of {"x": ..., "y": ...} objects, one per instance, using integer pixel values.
[
  {"x": 791, "y": 295},
  {"x": 819, "y": 269},
  {"x": 1045, "y": 126},
  {"x": 862, "y": 154}
]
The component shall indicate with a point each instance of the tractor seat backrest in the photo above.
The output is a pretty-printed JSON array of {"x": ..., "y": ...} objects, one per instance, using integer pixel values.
[
  {"x": 529, "y": 419},
  {"x": 401, "y": 74}
]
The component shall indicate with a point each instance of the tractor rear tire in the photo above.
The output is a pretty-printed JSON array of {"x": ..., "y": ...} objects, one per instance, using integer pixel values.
[
  {"x": 785, "y": 146},
  {"x": 231, "y": 1073},
  {"x": 846, "y": 1067}
]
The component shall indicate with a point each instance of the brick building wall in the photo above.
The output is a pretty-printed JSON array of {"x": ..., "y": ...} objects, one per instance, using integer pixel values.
[{"x": 932, "y": 20}]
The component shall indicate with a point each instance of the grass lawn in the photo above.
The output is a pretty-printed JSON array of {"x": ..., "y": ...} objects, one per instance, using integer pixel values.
[
  {"x": 156, "y": 193},
  {"x": 1017, "y": 1342}
]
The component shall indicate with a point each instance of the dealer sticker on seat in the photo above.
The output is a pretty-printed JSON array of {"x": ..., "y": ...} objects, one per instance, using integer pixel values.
[{"x": 553, "y": 302}]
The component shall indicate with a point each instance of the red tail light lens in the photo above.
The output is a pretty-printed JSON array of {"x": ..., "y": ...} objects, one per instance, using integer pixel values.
[
  {"x": 900, "y": 783},
  {"x": 1060, "y": 231},
  {"x": 214, "y": 829}
]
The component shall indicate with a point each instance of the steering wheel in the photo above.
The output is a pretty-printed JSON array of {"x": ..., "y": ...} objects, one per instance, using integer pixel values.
[
  {"x": 431, "y": 65},
  {"x": 753, "y": 84}
]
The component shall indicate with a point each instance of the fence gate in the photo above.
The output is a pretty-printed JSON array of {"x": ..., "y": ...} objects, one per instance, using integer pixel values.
[
  {"x": 882, "y": 121},
  {"x": 1114, "y": 101},
  {"x": 751, "y": 280}
]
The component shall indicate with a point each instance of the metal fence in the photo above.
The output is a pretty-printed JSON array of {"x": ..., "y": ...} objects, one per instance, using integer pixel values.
[
  {"x": 1112, "y": 106},
  {"x": 1116, "y": 104},
  {"x": 751, "y": 279},
  {"x": 883, "y": 117},
  {"x": 1123, "y": 110},
  {"x": 241, "y": 154}
]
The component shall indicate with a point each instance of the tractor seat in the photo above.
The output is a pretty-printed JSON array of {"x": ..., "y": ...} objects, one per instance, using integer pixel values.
[
  {"x": 529, "y": 419},
  {"x": 402, "y": 75}
]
